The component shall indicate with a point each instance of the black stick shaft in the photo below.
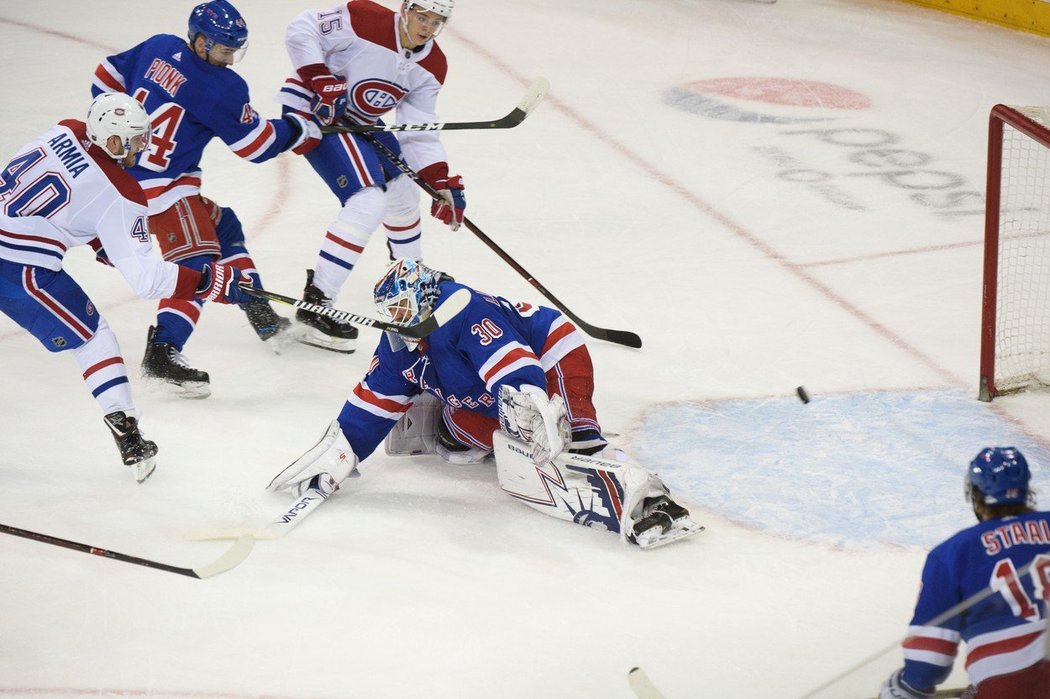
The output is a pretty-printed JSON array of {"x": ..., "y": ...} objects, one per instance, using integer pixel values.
[
  {"x": 620, "y": 337},
  {"x": 95, "y": 551}
]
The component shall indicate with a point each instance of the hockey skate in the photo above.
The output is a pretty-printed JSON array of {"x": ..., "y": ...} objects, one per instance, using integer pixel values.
[
  {"x": 137, "y": 453},
  {"x": 662, "y": 521},
  {"x": 265, "y": 321},
  {"x": 165, "y": 364},
  {"x": 322, "y": 331}
]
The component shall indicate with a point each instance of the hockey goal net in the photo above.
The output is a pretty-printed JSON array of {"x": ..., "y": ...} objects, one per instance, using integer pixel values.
[{"x": 1015, "y": 315}]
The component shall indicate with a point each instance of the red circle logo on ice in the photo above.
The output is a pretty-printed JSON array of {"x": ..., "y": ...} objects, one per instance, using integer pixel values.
[
  {"x": 375, "y": 98},
  {"x": 766, "y": 99}
]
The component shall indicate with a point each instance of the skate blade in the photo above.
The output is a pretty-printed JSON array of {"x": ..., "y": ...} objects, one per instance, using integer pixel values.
[
  {"x": 192, "y": 390},
  {"x": 315, "y": 338},
  {"x": 143, "y": 469},
  {"x": 655, "y": 537}
]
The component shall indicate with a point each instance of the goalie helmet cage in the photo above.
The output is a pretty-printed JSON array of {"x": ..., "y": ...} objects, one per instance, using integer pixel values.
[{"x": 1015, "y": 312}]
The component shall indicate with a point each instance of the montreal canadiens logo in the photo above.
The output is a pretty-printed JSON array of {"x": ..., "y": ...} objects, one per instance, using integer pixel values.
[
  {"x": 374, "y": 98},
  {"x": 766, "y": 100}
]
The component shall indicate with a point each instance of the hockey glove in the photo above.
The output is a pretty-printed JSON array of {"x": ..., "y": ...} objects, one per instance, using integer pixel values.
[
  {"x": 450, "y": 207},
  {"x": 327, "y": 464},
  {"x": 896, "y": 688},
  {"x": 530, "y": 416},
  {"x": 221, "y": 283},
  {"x": 329, "y": 100},
  {"x": 309, "y": 134},
  {"x": 100, "y": 252}
]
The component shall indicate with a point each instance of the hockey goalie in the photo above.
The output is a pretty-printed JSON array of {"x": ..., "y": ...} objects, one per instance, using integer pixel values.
[{"x": 510, "y": 383}]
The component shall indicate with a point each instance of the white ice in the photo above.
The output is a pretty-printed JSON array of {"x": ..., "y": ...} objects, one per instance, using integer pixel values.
[{"x": 750, "y": 257}]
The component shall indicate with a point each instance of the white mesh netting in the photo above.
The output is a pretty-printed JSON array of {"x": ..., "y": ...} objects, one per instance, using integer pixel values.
[{"x": 1022, "y": 329}]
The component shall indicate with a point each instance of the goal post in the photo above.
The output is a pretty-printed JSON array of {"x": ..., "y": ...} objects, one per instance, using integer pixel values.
[{"x": 1015, "y": 311}]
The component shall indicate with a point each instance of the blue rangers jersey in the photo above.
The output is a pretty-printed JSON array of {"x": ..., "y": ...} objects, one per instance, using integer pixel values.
[
  {"x": 1004, "y": 632},
  {"x": 464, "y": 363},
  {"x": 189, "y": 102}
]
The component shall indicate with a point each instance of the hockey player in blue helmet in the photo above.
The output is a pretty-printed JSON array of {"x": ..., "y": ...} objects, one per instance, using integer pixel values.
[
  {"x": 513, "y": 382},
  {"x": 1006, "y": 553},
  {"x": 217, "y": 33},
  {"x": 186, "y": 85}
]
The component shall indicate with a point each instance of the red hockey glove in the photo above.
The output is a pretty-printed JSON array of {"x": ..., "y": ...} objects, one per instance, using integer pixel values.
[
  {"x": 221, "y": 283},
  {"x": 329, "y": 100},
  {"x": 450, "y": 207},
  {"x": 100, "y": 252}
]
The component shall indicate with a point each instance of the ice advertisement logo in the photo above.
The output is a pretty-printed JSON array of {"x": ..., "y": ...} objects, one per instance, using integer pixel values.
[
  {"x": 824, "y": 139},
  {"x": 765, "y": 100}
]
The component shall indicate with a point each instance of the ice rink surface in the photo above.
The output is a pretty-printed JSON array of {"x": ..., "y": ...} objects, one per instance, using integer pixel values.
[{"x": 770, "y": 195}]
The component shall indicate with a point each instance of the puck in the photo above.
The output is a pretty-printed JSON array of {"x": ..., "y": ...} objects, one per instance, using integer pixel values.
[{"x": 802, "y": 395}]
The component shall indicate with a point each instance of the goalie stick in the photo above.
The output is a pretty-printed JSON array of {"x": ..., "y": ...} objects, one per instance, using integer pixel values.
[
  {"x": 233, "y": 556},
  {"x": 535, "y": 94},
  {"x": 620, "y": 337},
  {"x": 283, "y": 523},
  {"x": 642, "y": 686},
  {"x": 444, "y": 313}
]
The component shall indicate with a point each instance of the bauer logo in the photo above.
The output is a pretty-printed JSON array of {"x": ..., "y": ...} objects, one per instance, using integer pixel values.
[{"x": 765, "y": 100}]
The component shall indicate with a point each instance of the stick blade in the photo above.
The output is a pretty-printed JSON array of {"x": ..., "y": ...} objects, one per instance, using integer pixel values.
[
  {"x": 536, "y": 93},
  {"x": 233, "y": 557},
  {"x": 642, "y": 685}
]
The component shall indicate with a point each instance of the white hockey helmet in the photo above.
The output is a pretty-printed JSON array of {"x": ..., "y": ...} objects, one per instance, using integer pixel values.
[
  {"x": 441, "y": 7},
  {"x": 117, "y": 114}
]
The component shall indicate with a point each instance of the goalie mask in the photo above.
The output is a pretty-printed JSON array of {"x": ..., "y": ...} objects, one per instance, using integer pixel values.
[
  {"x": 117, "y": 114},
  {"x": 1000, "y": 475},
  {"x": 406, "y": 293}
]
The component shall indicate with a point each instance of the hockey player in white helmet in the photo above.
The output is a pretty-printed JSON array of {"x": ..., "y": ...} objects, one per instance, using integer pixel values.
[
  {"x": 363, "y": 62},
  {"x": 511, "y": 381},
  {"x": 66, "y": 188}
]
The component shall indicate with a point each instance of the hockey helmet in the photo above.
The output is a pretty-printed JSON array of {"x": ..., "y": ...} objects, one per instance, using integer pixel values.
[
  {"x": 440, "y": 7},
  {"x": 219, "y": 22},
  {"x": 406, "y": 292},
  {"x": 1001, "y": 475},
  {"x": 117, "y": 114}
]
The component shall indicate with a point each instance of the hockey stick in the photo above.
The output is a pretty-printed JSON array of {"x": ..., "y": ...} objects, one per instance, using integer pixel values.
[
  {"x": 233, "y": 556},
  {"x": 936, "y": 621},
  {"x": 535, "y": 94},
  {"x": 642, "y": 686},
  {"x": 282, "y": 524},
  {"x": 445, "y": 312},
  {"x": 620, "y": 337}
]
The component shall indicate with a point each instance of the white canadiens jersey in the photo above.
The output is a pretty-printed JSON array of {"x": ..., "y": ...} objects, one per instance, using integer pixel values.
[
  {"x": 360, "y": 42},
  {"x": 60, "y": 191}
]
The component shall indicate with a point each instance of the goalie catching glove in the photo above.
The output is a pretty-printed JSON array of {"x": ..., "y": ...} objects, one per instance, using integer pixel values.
[
  {"x": 324, "y": 467},
  {"x": 528, "y": 415}
]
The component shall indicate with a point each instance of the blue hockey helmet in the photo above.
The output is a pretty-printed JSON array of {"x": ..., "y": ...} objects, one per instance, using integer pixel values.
[
  {"x": 1001, "y": 475},
  {"x": 219, "y": 22},
  {"x": 406, "y": 292}
]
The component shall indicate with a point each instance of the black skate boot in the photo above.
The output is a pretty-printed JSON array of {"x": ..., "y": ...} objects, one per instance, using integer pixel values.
[
  {"x": 264, "y": 319},
  {"x": 136, "y": 452},
  {"x": 662, "y": 521},
  {"x": 163, "y": 363},
  {"x": 322, "y": 331}
]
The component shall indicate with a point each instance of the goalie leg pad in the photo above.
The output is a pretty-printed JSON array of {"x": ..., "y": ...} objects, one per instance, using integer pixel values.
[
  {"x": 619, "y": 496},
  {"x": 416, "y": 432}
]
